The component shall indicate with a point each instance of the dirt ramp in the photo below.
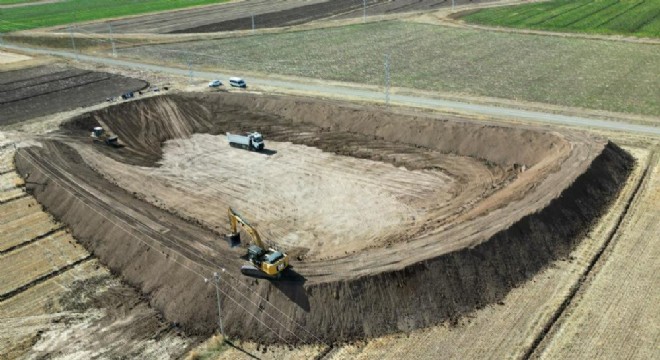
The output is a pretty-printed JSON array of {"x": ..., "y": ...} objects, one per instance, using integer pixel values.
[{"x": 490, "y": 238}]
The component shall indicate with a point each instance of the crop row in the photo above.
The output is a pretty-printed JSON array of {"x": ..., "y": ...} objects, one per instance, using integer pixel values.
[{"x": 639, "y": 17}]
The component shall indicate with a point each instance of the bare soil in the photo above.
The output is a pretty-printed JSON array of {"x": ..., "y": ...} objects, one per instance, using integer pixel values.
[
  {"x": 56, "y": 301},
  {"x": 267, "y": 14},
  {"x": 547, "y": 189},
  {"x": 42, "y": 90}
]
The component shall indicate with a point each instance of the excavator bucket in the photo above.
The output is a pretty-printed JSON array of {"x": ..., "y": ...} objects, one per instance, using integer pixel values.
[{"x": 234, "y": 239}]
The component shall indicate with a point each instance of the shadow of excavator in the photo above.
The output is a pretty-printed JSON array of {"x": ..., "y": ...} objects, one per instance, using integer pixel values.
[{"x": 292, "y": 285}]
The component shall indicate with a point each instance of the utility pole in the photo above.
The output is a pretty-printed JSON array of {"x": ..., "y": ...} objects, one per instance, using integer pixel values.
[
  {"x": 364, "y": 11},
  {"x": 73, "y": 43},
  {"x": 112, "y": 40},
  {"x": 387, "y": 79},
  {"x": 452, "y": 5},
  {"x": 253, "y": 23},
  {"x": 190, "y": 71},
  {"x": 216, "y": 276}
]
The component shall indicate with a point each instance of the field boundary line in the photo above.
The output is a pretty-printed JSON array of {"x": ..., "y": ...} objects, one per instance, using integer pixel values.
[
  {"x": 42, "y": 278},
  {"x": 13, "y": 199},
  {"x": 33, "y": 240},
  {"x": 590, "y": 266}
]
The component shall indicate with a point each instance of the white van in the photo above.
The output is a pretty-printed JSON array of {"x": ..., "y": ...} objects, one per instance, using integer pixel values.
[{"x": 237, "y": 82}]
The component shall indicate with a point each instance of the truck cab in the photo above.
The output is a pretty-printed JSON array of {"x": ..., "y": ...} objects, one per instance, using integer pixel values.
[{"x": 256, "y": 141}]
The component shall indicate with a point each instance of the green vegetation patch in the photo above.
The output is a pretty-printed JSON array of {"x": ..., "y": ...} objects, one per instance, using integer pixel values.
[
  {"x": 11, "y": 2},
  {"x": 72, "y": 11},
  {"x": 605, "y": 75},
  {"x": 623, "y": 17}
]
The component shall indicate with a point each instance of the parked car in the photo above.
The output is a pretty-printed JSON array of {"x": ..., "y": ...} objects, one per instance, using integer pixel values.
[
  {"x": 215, "y": 83},
  {"x": 237, "y": 82}
]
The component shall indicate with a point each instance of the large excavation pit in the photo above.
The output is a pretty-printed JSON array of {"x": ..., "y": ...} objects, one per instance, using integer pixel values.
[{"x": 394, "y": 220}]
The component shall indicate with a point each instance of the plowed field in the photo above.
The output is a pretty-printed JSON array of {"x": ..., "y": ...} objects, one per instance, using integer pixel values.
[{"x": 43, "y": 90}]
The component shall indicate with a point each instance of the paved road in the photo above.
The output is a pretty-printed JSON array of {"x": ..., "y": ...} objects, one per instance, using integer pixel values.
[{"x": 334, "y": 90}]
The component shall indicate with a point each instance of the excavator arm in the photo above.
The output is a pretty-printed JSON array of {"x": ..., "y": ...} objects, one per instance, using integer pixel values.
[
  {"x": 234, "y": 220},
  {"x": 266, "y": 263}
]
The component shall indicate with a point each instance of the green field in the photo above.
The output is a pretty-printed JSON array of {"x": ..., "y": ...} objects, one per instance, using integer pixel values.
[
  {"x": 624, "y": 17},
  {"x": 11, "y": 2},
  {"x": 71, "y": 11},
  {"x": 605, "y": 75}
]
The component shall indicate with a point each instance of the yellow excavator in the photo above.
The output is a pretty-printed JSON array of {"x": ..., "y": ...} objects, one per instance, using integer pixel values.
[{"x": 266, "y": 262}]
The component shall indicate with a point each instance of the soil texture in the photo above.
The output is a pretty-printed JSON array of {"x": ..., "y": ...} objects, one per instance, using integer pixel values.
[
  {"x": 502, "y": 203},
  {"x": 42, "y": 90}
]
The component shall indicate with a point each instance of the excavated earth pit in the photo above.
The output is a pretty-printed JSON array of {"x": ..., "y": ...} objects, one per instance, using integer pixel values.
[{"x": 393, "y": 220}]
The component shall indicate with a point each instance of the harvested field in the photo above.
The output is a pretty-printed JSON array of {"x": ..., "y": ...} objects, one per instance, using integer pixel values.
[
  {"x": 57, "y": 301},
  {"x": 616, "y": 315},
  {"x": 267, "y": 14},
  {"x": 37, "y": 260},
  {"x": 482, "y": 236},
  {"x": 43, "y": 90}
]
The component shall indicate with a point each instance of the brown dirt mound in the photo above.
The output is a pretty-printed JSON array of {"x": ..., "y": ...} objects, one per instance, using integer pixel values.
[{"x": 443, "y": 271}]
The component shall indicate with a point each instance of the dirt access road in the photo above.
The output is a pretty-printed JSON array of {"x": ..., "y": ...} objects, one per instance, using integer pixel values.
[{"x": 343, "y": 92}]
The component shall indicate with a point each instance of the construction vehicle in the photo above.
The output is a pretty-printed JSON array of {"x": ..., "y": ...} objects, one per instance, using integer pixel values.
[
  {"x": 265, "y": 262},
  {"x": 250, "y": 141},
  {"x": 100, "y": 135}
]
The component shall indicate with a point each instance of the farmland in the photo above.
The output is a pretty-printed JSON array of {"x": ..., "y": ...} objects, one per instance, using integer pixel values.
[
  {"x": 10, "y": 2},
  {"x": 419, "y": 233},
  {"x": 73, "y": 11},
  {"x": 568, "y": 72},
  {"x": 29, "y": 93},
  {"x": 627, "y": 17},
  {"x": 51, "y": 286},
  {"x": 265, "y": 14}
]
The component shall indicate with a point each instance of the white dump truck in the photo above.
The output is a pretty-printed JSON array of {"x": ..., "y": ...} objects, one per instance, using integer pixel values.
[{"x": 250, "y": 141}]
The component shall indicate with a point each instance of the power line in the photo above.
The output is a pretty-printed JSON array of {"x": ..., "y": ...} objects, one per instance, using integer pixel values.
[{"x": 29, "y": 158}]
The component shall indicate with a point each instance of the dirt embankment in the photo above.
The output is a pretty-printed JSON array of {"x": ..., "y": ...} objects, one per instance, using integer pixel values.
[{"x": 448, "y": 270}]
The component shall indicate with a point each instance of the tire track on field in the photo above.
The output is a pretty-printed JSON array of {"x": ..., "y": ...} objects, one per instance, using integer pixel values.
[{"x": 590, "y": 266}]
